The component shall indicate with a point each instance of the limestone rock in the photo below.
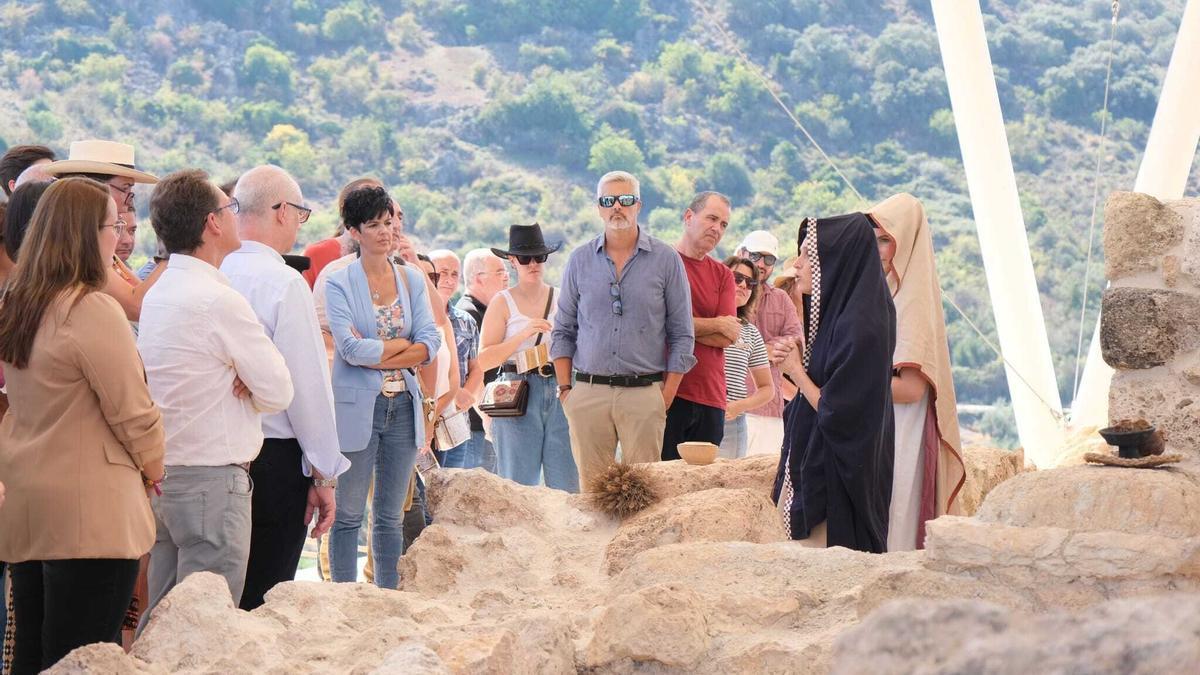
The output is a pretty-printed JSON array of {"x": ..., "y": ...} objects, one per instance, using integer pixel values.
[
  {"x": 1144, "y": 327},
  {"x": 1165, "y": 502},
  {"x": 103, "y": 657},
  {"x": 411, "y": 659},
  {"x": 986, "y": 468},
  {"x": 710, "y": 515},
  {"x": 1168, "y": 400},
  {"x": 1122, "y": 637},
  {"x": 1138, "y": 230},
  {"x": 677, "y": 477},
  {"x": 664, "y": 624}
]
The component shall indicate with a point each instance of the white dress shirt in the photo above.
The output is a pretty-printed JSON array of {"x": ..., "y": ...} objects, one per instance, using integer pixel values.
[
  {"x": 196, "y": 335},
  {"x": 318, "y": 289},
  {"x": 284, "y": 305}
]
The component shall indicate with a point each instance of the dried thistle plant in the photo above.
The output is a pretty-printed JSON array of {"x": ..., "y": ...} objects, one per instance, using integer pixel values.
[{"x": 622, "y": 490}]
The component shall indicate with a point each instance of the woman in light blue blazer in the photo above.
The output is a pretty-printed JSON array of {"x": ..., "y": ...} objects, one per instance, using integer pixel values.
[{"x": 382, "y": 325}]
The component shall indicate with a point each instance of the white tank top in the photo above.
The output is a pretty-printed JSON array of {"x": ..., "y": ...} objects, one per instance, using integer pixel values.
[{"x": 518, "y": 321}]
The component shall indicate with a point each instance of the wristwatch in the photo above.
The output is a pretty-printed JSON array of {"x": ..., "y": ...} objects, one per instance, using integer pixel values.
[{"x": 325, "y": 482}]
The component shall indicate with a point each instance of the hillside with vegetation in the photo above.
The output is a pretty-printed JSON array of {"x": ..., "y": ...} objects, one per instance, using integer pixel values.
[{"x": 482, "y": 113}]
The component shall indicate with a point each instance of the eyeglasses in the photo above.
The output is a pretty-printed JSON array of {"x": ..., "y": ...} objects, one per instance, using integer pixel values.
[
  {"x": 127, "y": 191},
  {"x": 527, "y": 259},
  {"x": 303, "y": 211},
  {"x": 607, "y": 201},
  {"x": 767, "y": 258},
  {"x": 614, "y": 290},
  {"x": 233, "y": 206},
  {"x": 120, "y": 226},
  {"x": 739, "y": 278}
]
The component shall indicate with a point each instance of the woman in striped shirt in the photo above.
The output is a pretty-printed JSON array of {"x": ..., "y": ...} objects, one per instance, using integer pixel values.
[{"x": 744, "y": 359}]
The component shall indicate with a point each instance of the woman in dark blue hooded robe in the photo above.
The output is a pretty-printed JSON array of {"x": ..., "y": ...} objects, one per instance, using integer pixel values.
[{"x": 835, "y": 469}]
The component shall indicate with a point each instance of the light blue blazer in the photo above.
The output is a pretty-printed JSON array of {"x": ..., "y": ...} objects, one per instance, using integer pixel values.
[{"x": 356, "y": 387}]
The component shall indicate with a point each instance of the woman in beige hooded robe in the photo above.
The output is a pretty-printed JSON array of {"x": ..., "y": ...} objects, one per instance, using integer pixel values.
[{"x": 928, "y": 470}]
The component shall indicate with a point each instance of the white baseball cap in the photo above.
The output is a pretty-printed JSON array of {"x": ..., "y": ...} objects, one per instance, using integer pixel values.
[{"x": 761, "y": 241}]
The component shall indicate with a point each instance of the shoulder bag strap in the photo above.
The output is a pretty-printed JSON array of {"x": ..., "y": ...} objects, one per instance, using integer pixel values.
[{"x": 545, "y": 315}]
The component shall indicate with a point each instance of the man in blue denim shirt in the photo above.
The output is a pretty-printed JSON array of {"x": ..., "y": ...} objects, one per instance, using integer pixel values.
[{"x": 624, "y": 325}]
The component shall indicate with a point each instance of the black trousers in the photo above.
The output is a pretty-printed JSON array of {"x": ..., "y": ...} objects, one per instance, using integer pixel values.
[
  {"x": 691, "y": 421},
  {"x": 59, "y": 605},
  {"x": 276, "y": 518}
]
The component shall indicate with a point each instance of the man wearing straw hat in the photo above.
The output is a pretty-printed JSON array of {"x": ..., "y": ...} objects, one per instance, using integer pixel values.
[{"x": 109, "y": 162}]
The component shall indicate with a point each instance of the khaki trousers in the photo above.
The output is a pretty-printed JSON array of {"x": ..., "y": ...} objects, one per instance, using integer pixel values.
[{"x": 601, "y": 416}]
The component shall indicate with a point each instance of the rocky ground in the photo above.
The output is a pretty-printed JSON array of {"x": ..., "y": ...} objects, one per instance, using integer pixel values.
[{"x": 1058, "y": 568}]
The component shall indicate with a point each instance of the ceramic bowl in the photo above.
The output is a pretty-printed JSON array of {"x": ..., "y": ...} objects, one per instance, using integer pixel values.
[{"x": 696, "y": 452}]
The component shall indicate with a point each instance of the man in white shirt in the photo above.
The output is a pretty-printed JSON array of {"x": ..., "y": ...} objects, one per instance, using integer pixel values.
[
  {"x": 213, "y": 373},
  {"x": 296, "y": 472}
]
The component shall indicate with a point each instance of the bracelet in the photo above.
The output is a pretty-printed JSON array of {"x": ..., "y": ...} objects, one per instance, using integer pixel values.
[
  {"x": 325, "y": 482},
  {"x": 155, "y": 484},
  {"x": 565, "y": 387}
]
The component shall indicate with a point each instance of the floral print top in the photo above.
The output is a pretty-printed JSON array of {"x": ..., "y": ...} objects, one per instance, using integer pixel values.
[{"x": 389, "y": 319}]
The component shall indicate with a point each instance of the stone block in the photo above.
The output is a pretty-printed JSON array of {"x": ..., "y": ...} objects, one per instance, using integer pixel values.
[
  {"x": 1169, "y": 401},
  {"x": 1138, "y": 231},
  {"x": 1143, "y": 327}
]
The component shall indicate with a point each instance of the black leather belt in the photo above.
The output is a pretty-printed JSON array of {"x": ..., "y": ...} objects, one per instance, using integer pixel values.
[
  {"x": 620, "y": 380},
  {"x": 545, "y": 371}
]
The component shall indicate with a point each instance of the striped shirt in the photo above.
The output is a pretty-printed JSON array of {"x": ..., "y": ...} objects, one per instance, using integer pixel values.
[{"x": 748, "y": 353}]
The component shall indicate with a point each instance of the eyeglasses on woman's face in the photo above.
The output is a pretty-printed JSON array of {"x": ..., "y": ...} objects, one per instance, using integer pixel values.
[
  {"x": 740, "y": 279},
  {"x": 528, "y": 259}
]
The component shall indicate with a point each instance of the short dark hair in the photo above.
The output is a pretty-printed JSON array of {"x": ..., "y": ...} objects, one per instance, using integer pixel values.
[
  {"x": 179, "y": 208},
  {"x": 364, "y": 204},
  {"x": 21, "y": 157},
  {"x": 701, "y": 200},
  {"x": 365, "y": 181},
  {"x": 20, "y": 211}
]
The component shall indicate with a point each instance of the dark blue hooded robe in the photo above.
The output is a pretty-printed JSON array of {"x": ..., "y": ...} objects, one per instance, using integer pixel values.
[{"x": 836, "y": 461}]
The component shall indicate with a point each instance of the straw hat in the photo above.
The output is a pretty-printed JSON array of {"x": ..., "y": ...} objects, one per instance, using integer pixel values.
[
  {"x": 788, "y": 273},
  {"x": 101, "y": 157}
]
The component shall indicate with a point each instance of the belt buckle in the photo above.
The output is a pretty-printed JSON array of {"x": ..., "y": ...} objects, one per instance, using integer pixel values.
[
  {"x": 623, "y": 380},
  {"x": 546, "y": 371},
  {"x": 383, "y": 387}
]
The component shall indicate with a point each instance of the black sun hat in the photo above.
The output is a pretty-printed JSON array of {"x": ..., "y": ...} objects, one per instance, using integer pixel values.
[{"x": 526, "y": 240}]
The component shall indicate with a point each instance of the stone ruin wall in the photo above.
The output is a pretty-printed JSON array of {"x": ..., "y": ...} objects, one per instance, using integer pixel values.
[{"x": 1150, "y": 323}]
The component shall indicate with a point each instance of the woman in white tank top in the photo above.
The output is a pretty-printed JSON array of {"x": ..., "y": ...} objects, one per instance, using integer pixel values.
[{"x": 537, "y": 444}]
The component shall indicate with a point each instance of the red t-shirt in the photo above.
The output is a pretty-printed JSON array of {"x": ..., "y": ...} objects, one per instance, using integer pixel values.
[
  {"x": 712, "y": 296},
  {"x": 320, "y": 254}
]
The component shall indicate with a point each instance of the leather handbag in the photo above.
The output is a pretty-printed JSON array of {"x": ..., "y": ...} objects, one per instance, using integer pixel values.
[
  {"x": 452, "y": 430},
  {"x": 509, "y": 398}
]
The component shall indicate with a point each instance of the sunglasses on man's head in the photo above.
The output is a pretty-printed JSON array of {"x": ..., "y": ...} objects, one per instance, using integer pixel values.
[
  {"x": 767, "y": 258},
  {"x": 607, "y": 201},
  {"x": 739, "y": 278},
  {"x": 527, "y": 259}
]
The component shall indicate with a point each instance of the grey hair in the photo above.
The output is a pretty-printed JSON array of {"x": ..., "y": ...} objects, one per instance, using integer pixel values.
[
  {"x": 441, "y": 253},
  {"x": 613, "y": 177},
  {"x": 701, "y": 200},
  {"x": 264, "y": 186},
  {"x": 473, "y": 264}
]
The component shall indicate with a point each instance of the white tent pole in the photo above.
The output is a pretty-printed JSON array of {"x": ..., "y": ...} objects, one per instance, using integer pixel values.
[
  {"x": 1002, "y": 238},
  {"x": 1170, "y": 151}
]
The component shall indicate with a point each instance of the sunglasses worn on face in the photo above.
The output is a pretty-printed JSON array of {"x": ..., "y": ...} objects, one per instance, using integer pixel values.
[
  {"x": 527, "y": 259},
  {"x": 739, "y": 278},
  {"x": 767, "y": 258},
  {"x": 607, "y": 201}
]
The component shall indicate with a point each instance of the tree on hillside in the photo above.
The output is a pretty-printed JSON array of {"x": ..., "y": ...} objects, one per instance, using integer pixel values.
[
  {"x": 612, "y": 153},
  {"x": 727, "y": 173},
  {"x": 268, "y": 71}
]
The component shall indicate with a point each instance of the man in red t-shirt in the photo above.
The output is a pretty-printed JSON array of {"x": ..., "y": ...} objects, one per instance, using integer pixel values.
[{"x": 698, "y": 412}]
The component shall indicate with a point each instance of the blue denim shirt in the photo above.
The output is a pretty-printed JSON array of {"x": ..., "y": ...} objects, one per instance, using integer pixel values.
[
  {"x": 466, "y": 338},
  {"x": 654, "y": 331}
]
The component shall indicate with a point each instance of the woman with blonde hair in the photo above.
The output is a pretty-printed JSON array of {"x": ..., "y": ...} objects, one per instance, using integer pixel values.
[
  {"x": 82, "y": 441},
  {"x": 929, "y": 472}
]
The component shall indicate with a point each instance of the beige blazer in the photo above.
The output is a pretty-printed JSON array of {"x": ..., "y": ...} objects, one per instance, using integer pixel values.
[{"x": 79, "y": 427}]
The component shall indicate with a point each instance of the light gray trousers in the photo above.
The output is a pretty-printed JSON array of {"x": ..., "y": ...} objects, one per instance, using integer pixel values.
[{"x": 203, "y": 521}]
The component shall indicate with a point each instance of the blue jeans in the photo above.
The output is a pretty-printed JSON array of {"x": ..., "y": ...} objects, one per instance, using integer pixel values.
[
  {"x": 456, "y": 457},
  {"x": 538, "y": 442},
  {"x": 390, "y": 456},
  {"x": 733, "y": 445},
  {"x": 480, "y": 453}
]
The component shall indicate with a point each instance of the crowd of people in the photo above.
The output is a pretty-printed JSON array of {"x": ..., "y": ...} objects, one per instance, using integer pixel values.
[{"x": 211, "y": 410}]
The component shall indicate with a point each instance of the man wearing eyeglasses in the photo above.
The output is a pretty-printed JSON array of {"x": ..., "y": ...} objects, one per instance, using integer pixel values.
[
  {"x": 213, "y": 373},
  {"x": 776, "y": 319},
  {"x": 624, "y": 330},
  {"x": 296, "y": 470}
]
